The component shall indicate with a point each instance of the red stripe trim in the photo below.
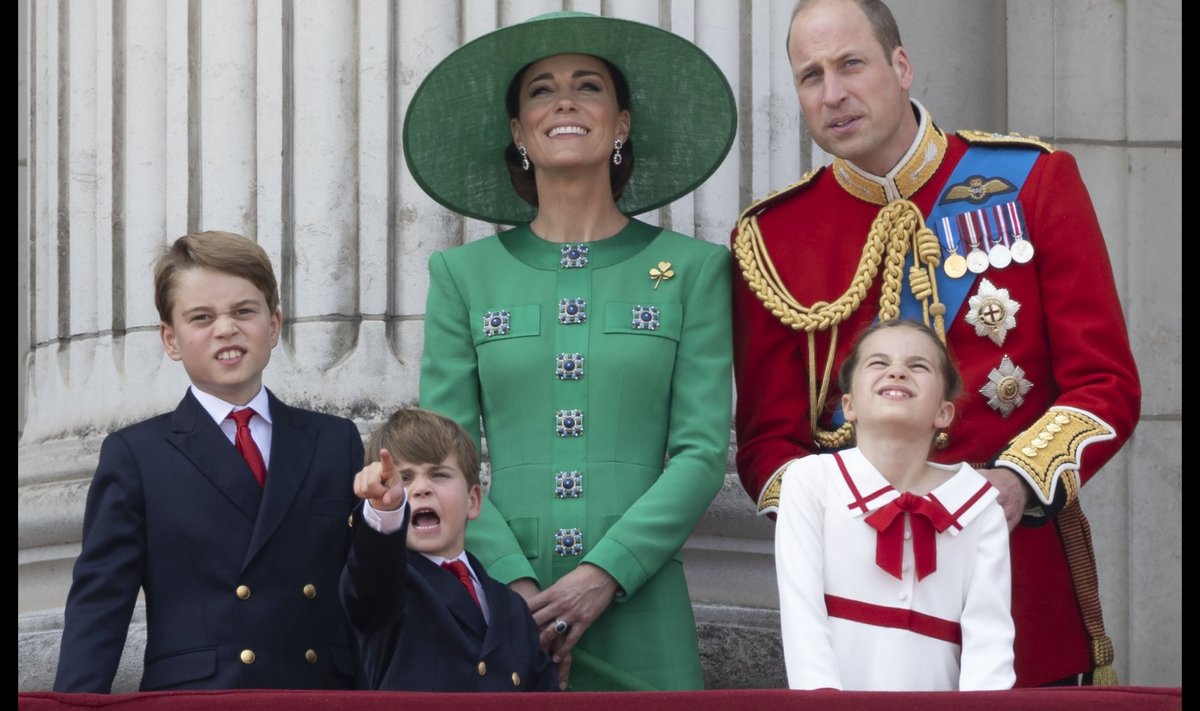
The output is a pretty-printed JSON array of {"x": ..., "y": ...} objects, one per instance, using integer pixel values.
[
  {"x": 963, "y": 509},
  {"x": 971, "y": 501},
  {"x": 894, "y": 617},
  {"x": 859, "y": 501}
]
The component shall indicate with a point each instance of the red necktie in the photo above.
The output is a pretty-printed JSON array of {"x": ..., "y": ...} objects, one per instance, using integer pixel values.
[
  {"x": 245, "y": 444},
  {"x": 459, "y": 569},
  {"x": 926, "y": 517}
]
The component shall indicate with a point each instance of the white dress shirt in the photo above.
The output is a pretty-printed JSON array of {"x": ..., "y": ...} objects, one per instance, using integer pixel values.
[{"x": 260, "y": 424}]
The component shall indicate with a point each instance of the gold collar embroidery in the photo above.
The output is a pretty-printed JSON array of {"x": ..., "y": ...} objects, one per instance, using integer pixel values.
[{"x": 916, "y": 167}]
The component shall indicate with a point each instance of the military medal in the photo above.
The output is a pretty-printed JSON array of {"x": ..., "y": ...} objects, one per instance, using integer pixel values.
[
  {"x": 954, "y": 266},
  {"x": 1022, "y": 251},
  {"x": 1022, "y": 248},
  {"x": 1006, "y": 387},
  {"x": 992, "y": 312},
  {"x": 977, "y": 259},
  {"x": 998, "y": 254}
]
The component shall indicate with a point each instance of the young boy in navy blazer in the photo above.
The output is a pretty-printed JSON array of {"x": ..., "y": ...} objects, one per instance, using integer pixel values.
[
  {"x": 229, "y": 513},
  {"x": 421, "y": 625}
]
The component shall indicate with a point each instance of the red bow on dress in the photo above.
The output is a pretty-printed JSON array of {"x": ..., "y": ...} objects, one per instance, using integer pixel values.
[{"x": 928, "y": 518}]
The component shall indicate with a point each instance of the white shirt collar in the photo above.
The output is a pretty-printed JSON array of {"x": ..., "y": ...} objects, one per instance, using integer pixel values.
[
  {"x": 218, "y": 409},
  {"x": 438, "y": 560}
]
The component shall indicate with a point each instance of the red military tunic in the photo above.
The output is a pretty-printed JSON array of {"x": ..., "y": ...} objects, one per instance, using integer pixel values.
[{"x": 1063, "y": 371}]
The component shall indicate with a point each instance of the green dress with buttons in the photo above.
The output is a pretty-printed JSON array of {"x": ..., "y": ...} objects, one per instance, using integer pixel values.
[{"x": 602, "y": 374}]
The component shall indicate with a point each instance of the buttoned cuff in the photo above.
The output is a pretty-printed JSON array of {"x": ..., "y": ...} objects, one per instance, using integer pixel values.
[{"x": 385, "y": 522}]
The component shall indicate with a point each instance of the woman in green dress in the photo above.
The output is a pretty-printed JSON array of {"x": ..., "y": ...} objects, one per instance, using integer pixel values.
[{"x": 594, "y": 348}]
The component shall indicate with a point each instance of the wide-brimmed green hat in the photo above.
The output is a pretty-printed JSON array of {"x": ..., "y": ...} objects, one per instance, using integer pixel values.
[{"x": 457, "y": 126}]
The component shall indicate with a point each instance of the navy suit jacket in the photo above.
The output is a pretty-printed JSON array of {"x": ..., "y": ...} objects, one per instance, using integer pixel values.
[
  {"x": 419, "y": 630},
  {"x": 239, "y": 581}
]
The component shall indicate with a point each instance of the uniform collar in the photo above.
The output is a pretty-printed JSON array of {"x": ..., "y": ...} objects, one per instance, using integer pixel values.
[{"x": 908, "y": 176}]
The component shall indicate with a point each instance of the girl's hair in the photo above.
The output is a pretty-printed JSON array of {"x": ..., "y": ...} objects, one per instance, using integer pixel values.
[
  {"x": 524, "y": 182},
  {"x": 951, "y": 379}
]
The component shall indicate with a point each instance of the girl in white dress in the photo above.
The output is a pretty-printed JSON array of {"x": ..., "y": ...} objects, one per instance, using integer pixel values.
[{"x": 894, "y": 571}]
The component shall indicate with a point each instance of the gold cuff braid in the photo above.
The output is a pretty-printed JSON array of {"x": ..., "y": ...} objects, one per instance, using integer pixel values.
[
  {"x": 1048, "y": 452},
  {"x": 768, "y": 501}
]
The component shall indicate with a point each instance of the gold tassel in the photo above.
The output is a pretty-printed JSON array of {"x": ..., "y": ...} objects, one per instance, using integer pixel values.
[
  {"x": 1104, "y": 676},
  {"x": 1076, "y": 534},
  {"x": 1103, "y": 673}
]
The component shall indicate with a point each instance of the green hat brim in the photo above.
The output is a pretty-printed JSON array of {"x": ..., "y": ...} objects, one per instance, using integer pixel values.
[{"x": 456, "y": 128}]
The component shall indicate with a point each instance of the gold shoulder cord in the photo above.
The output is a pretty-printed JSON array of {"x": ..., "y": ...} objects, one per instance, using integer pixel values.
[
  {"x": 1004, "y": 139},
  {"x": 898, "y": 226}
]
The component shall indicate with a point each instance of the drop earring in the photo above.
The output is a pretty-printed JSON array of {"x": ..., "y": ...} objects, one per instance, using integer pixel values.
[
  {"x": 617, "y": 157},
  {"x": 524, "y": 156}
]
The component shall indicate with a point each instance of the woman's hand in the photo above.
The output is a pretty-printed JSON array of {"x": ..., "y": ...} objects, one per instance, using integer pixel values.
[
  {"x": 526, "y": 588},
  {"x": 577, "y": 599}
]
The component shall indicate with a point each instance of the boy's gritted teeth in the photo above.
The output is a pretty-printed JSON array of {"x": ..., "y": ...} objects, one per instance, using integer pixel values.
[
  {"x": 561, "y": 130},
  {"x": 895, "y": 393},
  {"x": 425, "y": 518},
  {"x": 230, "y": 353}
]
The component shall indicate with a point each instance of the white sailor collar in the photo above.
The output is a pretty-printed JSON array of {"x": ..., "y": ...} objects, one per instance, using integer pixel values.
[{"x": 864, "y": 490}]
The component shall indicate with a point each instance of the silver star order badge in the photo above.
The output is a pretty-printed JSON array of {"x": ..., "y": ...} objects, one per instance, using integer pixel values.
[
  {"x": 1006, "y": 387},
  {"x": 992, "y": 312}
]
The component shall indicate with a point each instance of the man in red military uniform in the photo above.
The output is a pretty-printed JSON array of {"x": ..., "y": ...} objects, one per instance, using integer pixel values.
[{"x": 1010, "y": 266}]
